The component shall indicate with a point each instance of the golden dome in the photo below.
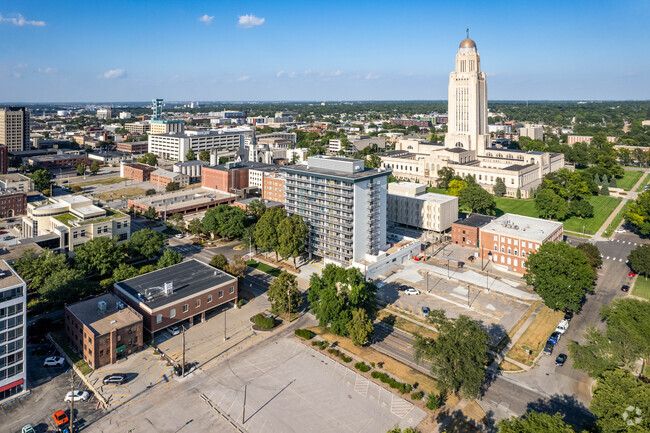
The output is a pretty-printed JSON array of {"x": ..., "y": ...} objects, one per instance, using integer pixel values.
[{"x": 467, "y": 43}]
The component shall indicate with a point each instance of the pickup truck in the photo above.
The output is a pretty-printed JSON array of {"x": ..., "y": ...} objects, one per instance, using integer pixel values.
[{"x": 562, "y": 326}]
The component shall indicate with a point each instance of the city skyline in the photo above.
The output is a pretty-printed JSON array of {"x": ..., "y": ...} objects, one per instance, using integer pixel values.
[{"x": 289, "y": 52}]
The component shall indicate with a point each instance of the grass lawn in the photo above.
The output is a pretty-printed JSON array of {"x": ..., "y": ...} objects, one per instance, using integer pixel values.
[
  {"x": 264, "y": 267},
  {"x": 405, "y": 325},
  {"x": 643, "y": 184},
  {"x": 642, "y": 287},
  {"x": 437, "y": 190},
  {"x": 616, "y": 221},
  {"x": 629, "y": 179},
  {"x": 116, "y": 194},
  {"x": 62, "y": 340},
  {"x": 603, "y": 207},
  {"x": 107, "y": 181},
  {"x": 509, "y": 366},
  {"x": 536, "y": 336}
]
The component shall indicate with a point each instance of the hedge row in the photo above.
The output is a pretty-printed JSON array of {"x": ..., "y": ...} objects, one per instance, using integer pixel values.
[
  {"x": 343, "y": 356},
  {"x": 417, "y": 395},
  {"x": 403, "y": 388},
  {"x": 264, "y": 322},
  {"x": 321, "y": 344},
  {"x": 304, "y": 333},
  {"x": 362, "y": 367}
]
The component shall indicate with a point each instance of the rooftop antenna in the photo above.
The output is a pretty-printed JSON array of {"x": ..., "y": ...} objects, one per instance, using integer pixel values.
[{"x": 467, "y": 31}]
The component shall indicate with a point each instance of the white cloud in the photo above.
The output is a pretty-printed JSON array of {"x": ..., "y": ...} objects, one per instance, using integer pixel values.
[
  {"x": 371, "y": 76},
  {"x": 244, "y": 78},
  {"x": 114, "y": 73},
  {"x": 248, "y": 21},
  {"x": 207, "y": 19},
  {"x": 279, "y": 74},
  {"x": 47, "y": 70},
  {"x": 337, "y": 73},
  {"x": 291, "y": 75},
  {"x": 21, "y": 21},
  {"x": 17, "y": 75}
]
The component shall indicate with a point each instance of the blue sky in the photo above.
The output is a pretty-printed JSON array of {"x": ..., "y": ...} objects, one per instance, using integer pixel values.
[{"x": 59, "y": 51}]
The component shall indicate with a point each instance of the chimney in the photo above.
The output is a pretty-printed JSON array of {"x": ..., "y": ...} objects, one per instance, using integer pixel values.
[{"x": 213, "y": 157}]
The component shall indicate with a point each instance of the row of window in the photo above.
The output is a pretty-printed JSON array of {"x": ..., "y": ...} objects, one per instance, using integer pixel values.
[
  {"x": 11, "y": 310},
  {"x": 11, "y": 359},
  {"x": 11, "y": 371},
  {"x": 12, "y": 334},
  {"x": 515, "y": 242},
  {"x": 172, "y": 312},
  {"x": 11, "y": 347},
  {"x": 507, "y": 260},
  {"x": 6, "y": 295},
  {"x": 11, "y": 322}
]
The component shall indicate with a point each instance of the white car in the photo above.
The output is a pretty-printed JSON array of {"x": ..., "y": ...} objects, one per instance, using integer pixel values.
[
  {"x": 179, "y": 236},
  {"x": 562, "y": 326},
  {"x": 53, "y": 361},
  {"x": 78, "y": 396},
  {"x": 412, "y": 291},
  {"x": 619, "y": 231},
  {"x": 174, "y": 330}
]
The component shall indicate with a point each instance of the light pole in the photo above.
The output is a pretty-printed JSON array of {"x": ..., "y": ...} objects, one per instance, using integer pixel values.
[
  {"x": 487, "y": 277},
  {"x": 427, "y": 281},
  {"x": 289, "y": 306},
  {"x": 448, "y": 277},
  {"x": 468, "y": 304}
]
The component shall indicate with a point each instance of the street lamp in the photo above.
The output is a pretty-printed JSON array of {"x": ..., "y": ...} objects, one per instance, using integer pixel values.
[{"x": 487, "y": 276}]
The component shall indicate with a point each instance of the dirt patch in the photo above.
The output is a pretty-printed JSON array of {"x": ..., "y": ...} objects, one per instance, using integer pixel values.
[
  {"x": 535, "y": 337},
  {"x": 405, "y": 325},
  {"x": 523, "y": 318},
  {"x": 509, "y": 366},
  {"x": 117, "y": 193}
]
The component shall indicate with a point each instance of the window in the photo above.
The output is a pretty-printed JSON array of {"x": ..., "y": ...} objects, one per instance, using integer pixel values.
[
  {"x": 126, "y": 223},
  {"x": 516, "y": 242},
  {"x": 185, "y": 308},
  {"x": 74, "y": 235},
  {"x": 503, "y": 249},
  {"x": 172, "y": 313},
  {"x": 99, "y": 230},
  {"x": 221, "y": 293},
  {"x": 198, "y": 303},
  {"x": 209, "y": 298},
  {"x": 494, "y": 257},
  {"x": 82, "y": 233},
  {"x": 496, "y": 238},
  {"x": 119, "y": 225},
  {"x": 158, "y": 318},
  {"x": 496, "y": 247},
  {"x": 530, "y": 244},
  {"x": 523, "y": 254},
  {"x": 515, "y": 252},
  {"x": 503, "y": 239},
  {"x": 105, "y": 229},
  {"x": 502, "y": 259},
  {"x": 516, "y": 262},
  {"x": 232, "y": 289},
  {"x": 509, "y": 240},
  {"x": 509, "y": 250}
]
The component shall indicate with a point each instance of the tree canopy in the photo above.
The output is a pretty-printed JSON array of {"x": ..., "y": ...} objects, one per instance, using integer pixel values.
[
  {"x": 639, "y": 260},
  {"x": 146, "y": 243},
  {"x": 293, "y": 233},
  {"x": 535, "y": 422},
  {"x": 561, "y": 275},
  {"x": 283, "y": 288},
  {"x": 169, "y": 258},
  {"x": 225, "y": 221},
  {"x": 638, "y": 213},
  {"x": 621, "y": 403},
  {"x": 100, "y": 255},
  {"x": 267, "y": 237},
  {"x": 149, "y": 159},
  {"x": 41, "y": 179},
  {"x": 476, "y": 199},
  {"x": 550, "y": 205},
  {"x": 593, "y": 254}
]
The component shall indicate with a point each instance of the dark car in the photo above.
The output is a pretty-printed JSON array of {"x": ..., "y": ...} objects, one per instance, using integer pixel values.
[
  {"x": 402, "y": 288},
  {"x": 625, "y": 288},
  {"x": 114, "y": 379},
  {"x": 560, "y": 360},
  {"x": 425, "y": 311},
  {"x": 548, "y": 349},
  {"x": 555, "y": 337},
  {"x": 568, "y": 315}
]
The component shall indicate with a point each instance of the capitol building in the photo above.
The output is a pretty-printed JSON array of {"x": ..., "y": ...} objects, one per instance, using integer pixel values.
[{"x": 467, "y": 149}]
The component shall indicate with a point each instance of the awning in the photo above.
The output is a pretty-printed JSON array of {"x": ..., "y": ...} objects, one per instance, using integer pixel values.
[
  {"x": 12, "y": 384},
  {"x": 120, "y": 349}
]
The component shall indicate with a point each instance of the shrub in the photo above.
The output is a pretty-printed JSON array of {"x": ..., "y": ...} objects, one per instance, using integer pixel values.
[
  {"x": 323, "y": 345},
  {"x": 362, "y": 367},
  {"x": 150, "y": 192},
  {"x": 417, "y": 395},
  {"x": 240, "y": 303},
  {"x": 346, "y": 358},
  {"x": 375, "y": 374},
  {"x": 264, "y": 322},
  {"x": 433, "y": 401},
  {"x": 304, "y": 333}
]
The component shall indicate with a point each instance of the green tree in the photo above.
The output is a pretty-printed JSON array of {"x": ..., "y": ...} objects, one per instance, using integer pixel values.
[
  {"x": 476, "y": 199},
  {"x": 172, "y": 186},
  {"x": 151, "y": 213},
  {"x": 518, "y": 194},
  {"x": 292, "y": 237},
  {"x": 625, "y": 156},
  {"x": 604, "y": 190},
  {"x": 360, "y": 327},
  {"x": 190, "y": 155},
  {"x": 256, "y": 208},
  {"x": 458, "y": 356},
  {"x": 195, "y": 227},
  {"x": 551, "y": 205},
  {"x": 94, "y": 167},
  {"x": 639, "y": 260},
  {"x": 177, "y": 221},
  {"x": 456, "y": 186},
  {"x": 124, "y": 272},
  {"x": 594, "y": 355},
  {"x": 81, "y": 168},
  {"x": 284, "y": 288},
  {"x": 535, "y": 422},
  {"x": 41, "y": 179},
  {"x": 149, "y": 159},
  {"x": 100, "y": 255},
  {"x": 219, "y": 261},
  {"x": 638, "y": 213},
  {"x": 204, "y": 155},
  {"x": 373, "y": 161},
  {"x": 593, "y": 254},
  {"x": 266, "y": 230},
  {"x": 560, "y": 274},
  {"x": 150, "y": 191},
  {"x": 445, "y": 174},
  {"x": 499, "y": 187},
  {"x": 581, "y": 209},
  {"x": 169, "y": 258},
  {"x": 225, "y": 221},
  {"x": 618, "y": 393},
  {"x": 237, "y": 267},
  {"x": 146, "y": 243}
]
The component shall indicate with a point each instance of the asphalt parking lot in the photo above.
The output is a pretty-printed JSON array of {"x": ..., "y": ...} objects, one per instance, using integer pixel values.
[{"x": 48, "y": 388}]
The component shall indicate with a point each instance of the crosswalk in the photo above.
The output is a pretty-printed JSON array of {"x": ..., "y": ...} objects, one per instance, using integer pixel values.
[
  {"x": 614, "y": 259},
  {"x": 623, "y": 242}
]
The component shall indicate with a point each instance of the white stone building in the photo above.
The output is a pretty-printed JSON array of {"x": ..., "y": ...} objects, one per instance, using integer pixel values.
[{"x": 409, "y": 204}]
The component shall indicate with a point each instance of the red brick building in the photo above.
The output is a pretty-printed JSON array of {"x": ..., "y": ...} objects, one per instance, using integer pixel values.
[
  {"x": 58, "y": 161},
  {"x": 133, "y": 147},
  {"x": 136, "y": 171},
  {"x": 230, "y": 177},
  {"x": 164, "y": 177},
  {"x": 182, "y": 293},
  {"x": 273, "y": 187},
  {"x": 103, "y": 329},
  {"x": 465, "y": 232}
]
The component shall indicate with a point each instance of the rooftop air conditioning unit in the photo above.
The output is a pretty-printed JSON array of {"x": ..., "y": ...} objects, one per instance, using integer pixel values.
[
  {"x": 169, "y": 288},
  {"x": 101, "y": 305}
]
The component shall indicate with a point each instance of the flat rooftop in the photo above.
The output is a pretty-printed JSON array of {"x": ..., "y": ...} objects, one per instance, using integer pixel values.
[
  {"x": 336, "y": 174},
  {"x": 535, "y": 229},
  {"x": 182, "y": 198},
  {"x": 436, "y": 198},
  {"x": 10, "y": 277},
  {"x": 188, "y": 278},
  {"x": 475, "y": 220},
  {"x": 116, "y": 315}
]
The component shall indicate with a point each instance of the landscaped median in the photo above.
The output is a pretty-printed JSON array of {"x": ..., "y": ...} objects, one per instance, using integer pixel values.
[
  {"x": 641, "y": 287},
  {"x": 274, "y": 272}
]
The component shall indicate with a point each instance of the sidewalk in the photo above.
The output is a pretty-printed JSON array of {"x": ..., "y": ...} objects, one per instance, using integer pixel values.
[{"x": 598, "y": 236}]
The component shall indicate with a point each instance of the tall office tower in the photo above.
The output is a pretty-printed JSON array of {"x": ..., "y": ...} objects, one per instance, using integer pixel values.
[
  {"x": 344, "y": 205},
  {"x": 157, "y": 109},
  {"x": 467, "y": 103},
  {"x": 13, "y": 306},
  {"x": 14, "y": 128}
]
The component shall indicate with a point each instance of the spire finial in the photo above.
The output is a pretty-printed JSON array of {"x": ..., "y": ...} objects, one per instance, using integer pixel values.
[{"x": 467, "y": 31}]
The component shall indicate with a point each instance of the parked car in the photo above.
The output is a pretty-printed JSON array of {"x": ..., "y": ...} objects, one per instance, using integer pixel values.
[
  {"x": 402, "y": 288},
  {"x": 426, "y": 311},
  {"x": 2, "y": 232},
  {"x": 562, "y": 327},
  {"x": 77, "y": 396},
  {"x": 625, "y": 288},
  {"x": 28, "y": 429},
  {"x": 174, "y": 330},
  {"x": 560, "y": 360},
  {"x": 548, "y": 349},
  {"x": 60, "y": 418},
  {"x": 619, "y": 231},
  {"x": 568, "y": 315},
  {"x": 53, "y": 361},
  {"x": 114, "y": 379},
  {"x": 412, "y": 291},
  {"x": 631, "y": 274},
  {"x": 42, "y": 350},
  {"x": 555, "y": 337},
  {"x": 179, "y": 236}
]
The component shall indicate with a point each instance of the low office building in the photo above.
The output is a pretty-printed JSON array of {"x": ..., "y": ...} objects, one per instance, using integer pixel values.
[
  {"x": 166, "y": 126},
  {"x": 179, "y": 293},
  {"x": 110, "y": 158},
  {"x": 13, "y": 332},
  {"x": 137, "y": 171},
  {"x": 135, "y": 147},
  {"x": 58, "y": 161},
  {"x": 508, "y": 240},
  {"x": 72, "y": 220},
  {"x": 229, "y": 177},
  {"x": 12, "y": 203},
  {"x": 183, "y": 201},
  {"x": 137, "y": 127},
  {"x": 103, "y": 329},
  {"x": 165, "y": 177},
  {"x": 466, "y": 232},
  {"x": 409, "y": 204},
  {"x": 273, "y": 187},
  {"x": 175, "y": 146},
  {"x": 16, "y": 182}
]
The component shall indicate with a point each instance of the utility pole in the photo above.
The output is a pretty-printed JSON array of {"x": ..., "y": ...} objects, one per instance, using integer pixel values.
[
  {"x": 487, "y": 281},
  {"x": 243, "y": 411},
  {"x": 224, "y": 323},
  {"x": 468, "y": 304},
  {"x": 71, "y": 400},
  {"x": 183, "y": 360},
  {"x": 289, "y": 305},
  {"x": 427, "y": 281}
]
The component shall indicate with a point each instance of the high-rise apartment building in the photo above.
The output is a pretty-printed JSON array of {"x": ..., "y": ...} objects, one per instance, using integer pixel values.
[
  {"x": 13, "y": 320},
  {"x": 344, "y": 205},
  {"x": 104, "y": 113},
  {"x": 14, "y": 128}
]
